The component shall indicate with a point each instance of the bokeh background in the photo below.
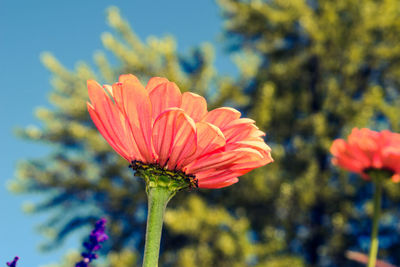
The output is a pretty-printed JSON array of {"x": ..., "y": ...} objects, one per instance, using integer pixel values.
[{"x": 306, "y": 71}]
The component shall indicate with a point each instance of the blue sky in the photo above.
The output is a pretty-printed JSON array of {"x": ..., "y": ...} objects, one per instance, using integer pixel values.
[{"x": 71, "y": 31}]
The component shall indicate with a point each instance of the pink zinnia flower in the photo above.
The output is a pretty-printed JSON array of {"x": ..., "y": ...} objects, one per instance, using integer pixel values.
[
  {"x": 368, "y": 150},
  {"x": 159, "y": 125}
]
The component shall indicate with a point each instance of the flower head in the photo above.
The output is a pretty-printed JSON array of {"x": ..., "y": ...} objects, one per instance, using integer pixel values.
[
  {"x": 159, "y": 127},
  {"x": 97, "y": 236},
  {"x": 367, "y": 150},
  {"x": 13, "y": 263}
]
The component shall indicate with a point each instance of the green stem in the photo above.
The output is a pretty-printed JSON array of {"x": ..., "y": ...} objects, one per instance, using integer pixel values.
[
  {"x": 158, "y": 198},
  {"x": 373, "y": 252}
]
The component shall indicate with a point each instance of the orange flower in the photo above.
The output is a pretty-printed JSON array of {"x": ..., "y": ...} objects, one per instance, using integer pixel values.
[
  {"x": 368, "y": 150},
  {"x": 158, "y": 125}
]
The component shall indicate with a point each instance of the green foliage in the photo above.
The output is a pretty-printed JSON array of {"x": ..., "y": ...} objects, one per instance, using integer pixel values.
[
  {"x": 69, "y": 259},
  {"x": 309, "y": 72},
  {"x": 217, "y": 238},
  {"x": 324, "y": 67}
]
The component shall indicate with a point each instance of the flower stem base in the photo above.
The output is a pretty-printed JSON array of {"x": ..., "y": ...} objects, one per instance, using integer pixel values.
[{"x": 156, "y": 176}]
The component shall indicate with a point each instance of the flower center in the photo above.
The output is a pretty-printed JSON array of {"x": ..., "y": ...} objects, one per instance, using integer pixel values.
[{"x": 157, "y": 176}]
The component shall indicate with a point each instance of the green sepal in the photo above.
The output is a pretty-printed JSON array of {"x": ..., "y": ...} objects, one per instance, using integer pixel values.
[
  {"x": 155, "y": 176},
  {"x": 379, "y": 175}
]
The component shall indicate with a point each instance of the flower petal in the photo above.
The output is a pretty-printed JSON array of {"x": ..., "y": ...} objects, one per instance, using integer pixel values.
[
  {"x": 349, "y": 164},
  {"x": 184, "y": 142},
  {"x": 119, "y": 93},
  {"x": 111, "y": 122},
  {"x": 124, "y": 77},
  {"x": 216, "y": 175},
  {"x": 154, "y": 82},
  {"x": 194, "y": 105},
  {"x": 209, "y": 139},
  {"x": 214, "y": 185},
  {"x": 174, "y": 137},
  {"x": 338, "y": 146},
  {"x": 396, "y": 178},
  {"x": 221, "y": 116},
  {"x": 257, "y": 145},
  {"x": 391, "y": 159},
  {"x": 107, "y": 133},
  {"x": 241, "y": 129},
  {"x": 249, "y": 160},
  {"x": 137, "y": 107},
  {"x": 225, "y": 160},
  {"x": 164, "y": 96},
  {"x": 211, "y": 161}
]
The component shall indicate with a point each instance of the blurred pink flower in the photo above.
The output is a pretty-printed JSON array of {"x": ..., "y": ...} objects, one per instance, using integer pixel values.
[{"x": 367, "y": 150}]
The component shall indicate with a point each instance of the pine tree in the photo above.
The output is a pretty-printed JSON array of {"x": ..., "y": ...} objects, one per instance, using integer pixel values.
[
  {"x": 324, "y": 67},
  {"x": 82, "y": 179},
  {"x": 309, "y": 72}
]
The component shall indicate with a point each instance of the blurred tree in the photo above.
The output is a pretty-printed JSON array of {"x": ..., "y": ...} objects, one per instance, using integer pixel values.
[
  {"x": 323, "y": 68},
  {"x": 309, "y": 72},
  {"x": 82, "y": 179}
]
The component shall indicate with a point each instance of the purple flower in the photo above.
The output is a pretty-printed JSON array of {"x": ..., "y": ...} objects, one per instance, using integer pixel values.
[
  {"x": 96, "y": 237},
  {"x": 13, "y": 263}
]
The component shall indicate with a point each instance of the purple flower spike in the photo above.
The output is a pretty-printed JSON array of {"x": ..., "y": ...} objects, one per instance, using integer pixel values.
[
  {"x": 13, "y": 263},
  {"x": 96, "y": 237}
]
